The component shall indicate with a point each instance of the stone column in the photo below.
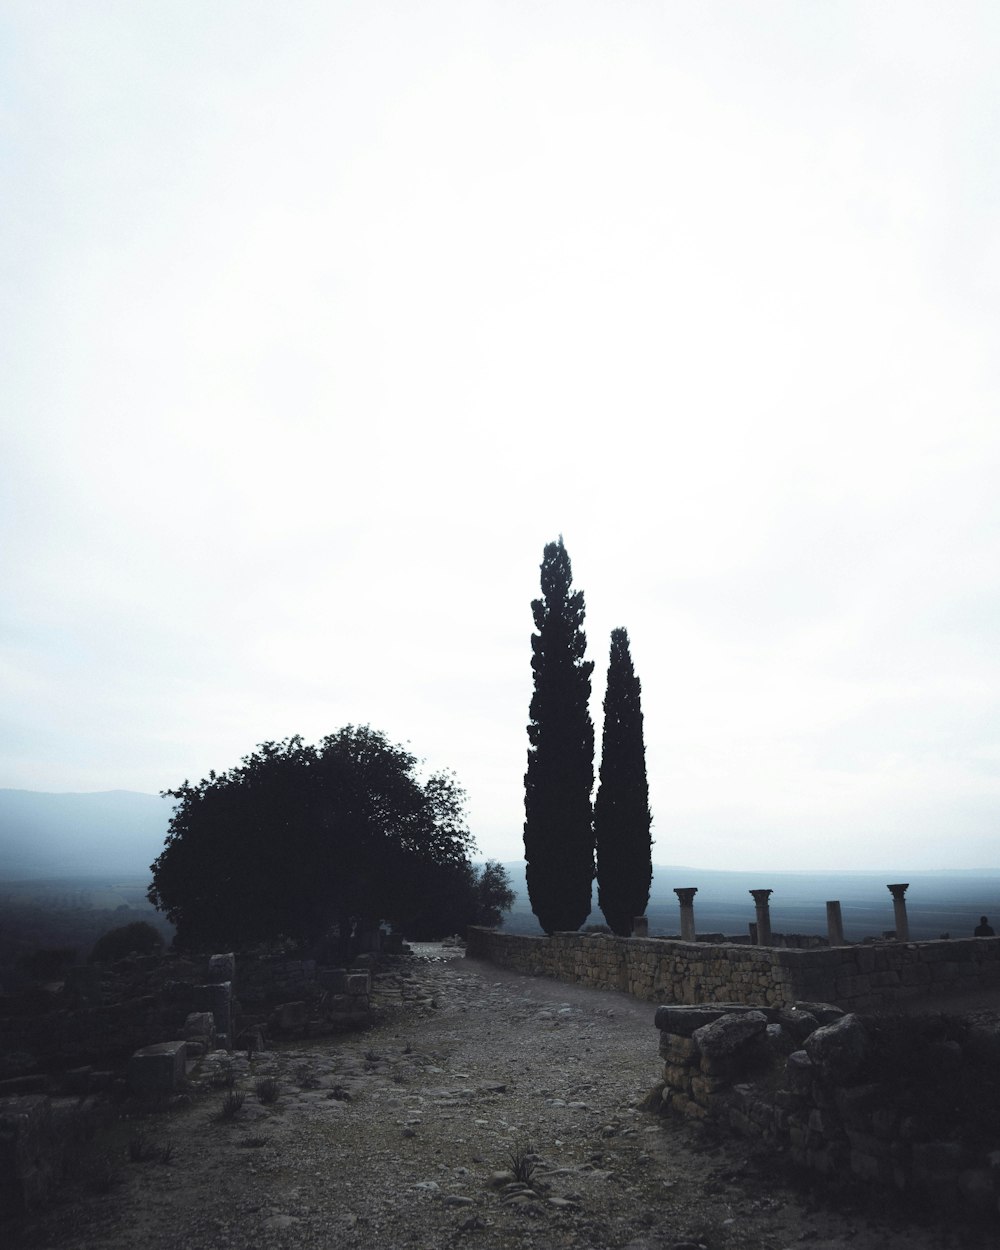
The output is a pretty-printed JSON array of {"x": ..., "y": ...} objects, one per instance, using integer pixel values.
[
  {"x": 760, "y": 899},
  {"x": 898, "y": 893},
  {"x": 685, "y": 897},
  {"x": 834, "y": 924},
  {"x": 640, "y": 926}
]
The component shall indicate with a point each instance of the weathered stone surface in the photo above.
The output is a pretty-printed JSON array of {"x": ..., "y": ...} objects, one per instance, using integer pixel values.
[
  {"x": 724, "y": 1038},
  {"x": 222, "y": 968},
  {"x": 683, "y": 1021},
  {"x": 289, "y": 1017},
  {"x": 695, "y": 973},
  {"x": 780, "y": 1041},
  {"x": 157, "y": 1069},
  {"x": 838, "y": 1050},
  {"x": 200, "y": 1025},
  {"x": 798, "y": 1023},
  {"x": 218, "y": 999},
  {"x": 823, "y": 1013},
  {"x": 799, "y": 1072}
]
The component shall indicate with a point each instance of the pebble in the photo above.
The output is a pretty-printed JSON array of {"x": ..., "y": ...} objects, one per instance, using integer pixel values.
[{"x": 279, "y": 1222}]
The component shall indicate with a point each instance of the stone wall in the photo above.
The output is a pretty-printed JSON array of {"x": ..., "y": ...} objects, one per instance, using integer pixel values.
[
  {"x": 908, "y": 1104},
  {"x": 104, "y": 1013},
  {"x": 858, "y": 978}
]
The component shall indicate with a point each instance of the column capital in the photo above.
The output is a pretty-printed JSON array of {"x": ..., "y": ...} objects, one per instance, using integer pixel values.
[
  {"x": 685, "y": 894},
  {"x": 760, "y": 897},
  {"x": 898, "y": 891}
]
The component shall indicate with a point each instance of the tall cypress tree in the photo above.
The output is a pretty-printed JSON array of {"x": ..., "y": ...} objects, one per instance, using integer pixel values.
[
  {"x": 558, "y": 824},
  {"x": 621, "y": 813}
]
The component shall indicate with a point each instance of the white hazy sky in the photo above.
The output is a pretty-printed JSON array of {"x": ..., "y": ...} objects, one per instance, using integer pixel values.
[{"x": 320, "y": 319}]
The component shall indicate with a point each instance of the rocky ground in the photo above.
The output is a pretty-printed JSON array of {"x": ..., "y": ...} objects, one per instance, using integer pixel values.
[{"x": 409, "y": 1134}]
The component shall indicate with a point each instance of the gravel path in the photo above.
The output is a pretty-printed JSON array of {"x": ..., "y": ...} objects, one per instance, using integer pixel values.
[{"x": 403, "y": 1136}]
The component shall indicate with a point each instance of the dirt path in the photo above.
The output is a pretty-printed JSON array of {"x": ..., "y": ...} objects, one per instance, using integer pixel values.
[{"x": 404, "y": 1136}]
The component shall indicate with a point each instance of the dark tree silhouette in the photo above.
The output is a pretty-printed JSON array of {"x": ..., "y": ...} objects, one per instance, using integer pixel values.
[
  {"x": 493, "y": 895},
  {"x": 621, "y": 810},
  {"x": 298, "y": 839},
  {"x": 459, "y": 898},
  {"x": 558, "y": 824}
]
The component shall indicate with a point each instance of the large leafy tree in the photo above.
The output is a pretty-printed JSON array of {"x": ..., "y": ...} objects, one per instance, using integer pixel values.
[
  {"x": 558, "y": 824},
  {"x": 299, "y": 839},
  {"x": 621, "y": 811}
]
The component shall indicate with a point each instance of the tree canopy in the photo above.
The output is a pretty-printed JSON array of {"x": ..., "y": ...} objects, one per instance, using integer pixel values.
[
  {"x": 558, "y": 824},
  {"x": 621, "y": 811},
  {"x": 298, "y": 839}
]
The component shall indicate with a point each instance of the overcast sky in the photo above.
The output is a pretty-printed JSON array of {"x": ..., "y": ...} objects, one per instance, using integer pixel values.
[{"x": 320, "y": 319}]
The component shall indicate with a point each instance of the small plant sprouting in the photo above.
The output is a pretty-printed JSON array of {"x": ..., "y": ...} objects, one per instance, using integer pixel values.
[
  {"x": 522, "y": 1162},
  {"x": 372, "y": 1056},
  {"x": 166, "y": 1154},
  {"x": 268, "y": 1088},
  {"x": 306, "y": 1078},
  {"x": 225, "y": 1077},
  {"x": 253, "y": 1142},
  {"x": 142, "y": 1148},
  {"x": 103, "y": 1174},
  {"x": 232, "y": 1103},
  {"x": 340, "y": 1093}
]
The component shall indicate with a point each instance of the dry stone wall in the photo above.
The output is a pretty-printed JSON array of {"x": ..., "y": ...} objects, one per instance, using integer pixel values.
[
  {"x": 863, "y": 977},
  {"x": 906, "y": 1104}
]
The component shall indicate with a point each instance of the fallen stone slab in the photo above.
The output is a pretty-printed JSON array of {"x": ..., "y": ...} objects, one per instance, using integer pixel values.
[{"x": 157, "y": 1069}]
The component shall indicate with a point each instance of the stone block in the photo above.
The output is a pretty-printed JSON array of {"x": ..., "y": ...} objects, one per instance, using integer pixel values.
[
  {"x": 799, "y": 1072},
  {"x": 333, "y": 979},
  {"x": 200, "y": 1026},
  {"x": 825, "y": 1013},
  {"x": 838, "y": 1050},
  {"x": 222, "y": 968},
  {"x": 218, "y": 999},
  {"x": 729, "y": 1035},
  {"x": 678, "y": 1049},
  {"x": 157, "y": 1069},
  {"x": 677, "y": 1076},
  {"x": 683, "y": 1021},
  {"x": 289, "y": 1018}
]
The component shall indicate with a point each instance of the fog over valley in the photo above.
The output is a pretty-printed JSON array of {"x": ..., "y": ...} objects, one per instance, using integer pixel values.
[{"x": 118, "y": 834}]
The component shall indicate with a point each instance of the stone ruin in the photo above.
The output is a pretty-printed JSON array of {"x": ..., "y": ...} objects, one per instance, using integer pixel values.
[
  {"x": 137, "y": 1030},
  {"x": 906, "y": 1104}
]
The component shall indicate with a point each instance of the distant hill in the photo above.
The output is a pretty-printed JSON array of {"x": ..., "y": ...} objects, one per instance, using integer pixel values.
[{"x": 57, "y": 835}]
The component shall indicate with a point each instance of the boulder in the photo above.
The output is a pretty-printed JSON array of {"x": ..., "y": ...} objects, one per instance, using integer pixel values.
[
  {"x": 838, "y": 1050},
  {"x": 157, "y": 1069},
  {"x": 728, "y": 1038},
  {"x": 683, "y": 1021},
  {"x": 825, "y": 1013}
]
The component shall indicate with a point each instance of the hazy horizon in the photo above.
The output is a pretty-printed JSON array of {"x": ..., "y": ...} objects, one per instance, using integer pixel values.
[{"x": 320, "y": 321}]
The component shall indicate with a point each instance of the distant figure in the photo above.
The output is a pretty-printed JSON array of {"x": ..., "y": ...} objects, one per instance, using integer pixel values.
[{"x": 984, "y": 928}]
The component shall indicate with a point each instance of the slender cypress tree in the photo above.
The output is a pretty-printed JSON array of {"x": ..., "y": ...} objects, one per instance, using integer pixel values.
[
  {"x": 621, "y": 812},
  {"x": 558, "y": 824}
]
